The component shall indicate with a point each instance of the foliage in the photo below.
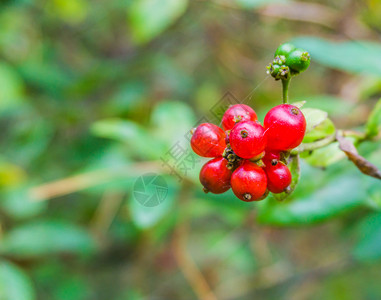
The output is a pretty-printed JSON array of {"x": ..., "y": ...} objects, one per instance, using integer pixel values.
[{"x": 94, "y": 95}]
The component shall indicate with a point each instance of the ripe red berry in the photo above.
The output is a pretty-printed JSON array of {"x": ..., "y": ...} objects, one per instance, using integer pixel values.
[
  {"x": 271, "y": 157},
  {"x": 237, "y": 113},
  {"x": 247, "y": 139},
  {"x": 278, "y": 177},
  {"x": 285, "y": 127},
  {"x": 215, "y": 176},
  {"x": 249, "y": 182},
  {"x": 208, "y": 140}
]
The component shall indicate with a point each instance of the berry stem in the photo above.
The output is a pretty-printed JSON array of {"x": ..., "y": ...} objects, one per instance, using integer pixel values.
[
  {"x": 314, "y": 145},
  {"x": 285, "y": 85}
]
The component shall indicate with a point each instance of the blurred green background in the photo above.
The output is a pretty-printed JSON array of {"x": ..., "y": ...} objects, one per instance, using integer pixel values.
[{"x": 95, "y": 94}]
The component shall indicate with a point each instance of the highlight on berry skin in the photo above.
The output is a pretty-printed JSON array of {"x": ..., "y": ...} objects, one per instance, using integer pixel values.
[{"x": 208, "y": 140}]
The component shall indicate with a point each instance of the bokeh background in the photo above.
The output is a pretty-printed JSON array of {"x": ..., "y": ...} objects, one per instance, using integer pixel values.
[{"x": 95, "y": 94}]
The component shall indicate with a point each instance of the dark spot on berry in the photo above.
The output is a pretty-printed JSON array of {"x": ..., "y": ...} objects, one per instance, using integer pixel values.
[
  {"x": 294, "y": 111},
  {"x": 205, "y": 190},
  {"x": 274, "y": 162},
  {"x": 247, "y": 196},
  {"x": 244, "y": 134}
]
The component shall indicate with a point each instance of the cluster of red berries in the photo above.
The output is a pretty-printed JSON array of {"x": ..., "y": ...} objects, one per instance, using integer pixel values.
[{"x": 247, "y": 155}]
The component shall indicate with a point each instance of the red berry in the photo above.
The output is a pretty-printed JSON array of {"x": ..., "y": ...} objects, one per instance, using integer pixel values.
[
  {"x": 208, "y": 140},
  {"x": 215, "y": 176},
  {"x": 247, "y": 139},
  {"x": 249, "y": 182},
  {"x": 285, "y": 127},
  {"x": 271, "y": 157},
  {"x": 237, "y": 113},
  {"x": 278, "y": 177}
]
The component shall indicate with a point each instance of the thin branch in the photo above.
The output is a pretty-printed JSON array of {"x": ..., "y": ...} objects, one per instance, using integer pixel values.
[
  {"x": 106, "y": 211},
  {"x": 352, "y": 133},
  {"x": 365, "y": 166},
  {"x": 314, "y": 145},
  {"x": 189, "y": 267},
  {"x": 83, "y": 181}
]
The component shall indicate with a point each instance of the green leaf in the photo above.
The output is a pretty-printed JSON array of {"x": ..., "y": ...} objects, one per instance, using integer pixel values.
[
  {"x": 118, "y": 129},
  {"x": 141, "y": 142},
  {"x": 143, "y": 214},
  {"x": 11, "y": 175},
  {"x": 321, "y": 131},
  {"x": 47, "y": 75},
  {"x": 14, "y": 283},
  {"x": 72, "y": 287},
  {"x": 46, "y": 237},
  {"x": 295, "y": 173},
  {"x": 299, "y": 104},
  {"x": 31, "y": 134},
  {"x": 11, "y": 88},
  {"x": 149, "y": 18},
  {"x": 171, "y": 121},
  {"x": 340, "y": 195},
  {"x": 126, "y": 98},
  {"x": 314, "y": 117},
  {"x": 374, "y": 121},
  {"x": 325, "y": 156},
  {"x": 350, "y": 56},
  {"x": 333, "y": 105},
  {"x": 18, "y": 203},
  {"x": 70, "y": 11},
  {"x": 368, "y": 247}
]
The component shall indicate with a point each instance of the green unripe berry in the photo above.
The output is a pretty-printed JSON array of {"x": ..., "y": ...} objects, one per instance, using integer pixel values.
[
  {"x": 279, "y": 60},
  {"x": 278, "y": 72},
  {"x": 274, "y": 70},
  {"x": 298, "y": 60},
  {"x": 284, "y": 72},
  {"x": 284, "y": 49}
]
